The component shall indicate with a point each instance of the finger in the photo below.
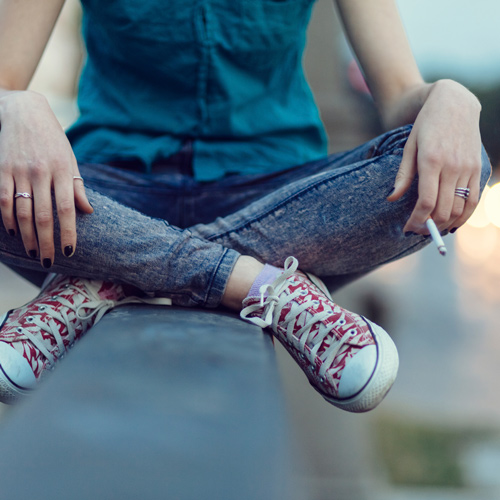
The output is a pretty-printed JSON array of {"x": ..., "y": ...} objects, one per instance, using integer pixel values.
[
  {"x": 7, "y": 205},
  {"x": 470, "y": 203},
  {"x": 428, "y": 185},
  {"x": 407, "y": 171},
  {"x": 24, "y": 216},
  {"x": 81, "y": 200},
  {"x": 65, "y": 206},
  {"x": 446, "y": 200},
  {"x": 44, "y": 221},
  {"x": 459, "y": 203}
]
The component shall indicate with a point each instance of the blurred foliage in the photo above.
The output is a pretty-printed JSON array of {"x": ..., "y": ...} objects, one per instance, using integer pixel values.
[{"x": 417, "y": 454}]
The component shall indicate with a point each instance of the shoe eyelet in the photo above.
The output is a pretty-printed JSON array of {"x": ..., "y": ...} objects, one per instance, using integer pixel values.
[
  {"x": 342, "y": 322},
  {"x": 55, "y": 297},
  {"x": 42, "y": 308},
  {"x": 19, "y": 329},
  {"x": 66, "y": 285},
  {"x": 30, "y": 319},
  {"x": 353, "y": 332},
  {"x": 322, "y": 380}
]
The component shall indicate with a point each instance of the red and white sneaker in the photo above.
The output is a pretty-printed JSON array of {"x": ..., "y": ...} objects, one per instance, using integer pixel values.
[
  {"x": 35, "y": 336},
  {"x": 349, "y": 360}
]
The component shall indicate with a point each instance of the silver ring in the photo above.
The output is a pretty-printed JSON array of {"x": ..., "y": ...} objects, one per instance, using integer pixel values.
[
  {"x": 78, "y": 177},
  {"x": 462, "y": 192},
  {"x": 22, "y": 195}
]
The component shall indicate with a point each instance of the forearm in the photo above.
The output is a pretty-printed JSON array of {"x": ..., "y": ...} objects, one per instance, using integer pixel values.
[
  {"x": 378, "y": 39},
  {"x": 25, "y": 27}
]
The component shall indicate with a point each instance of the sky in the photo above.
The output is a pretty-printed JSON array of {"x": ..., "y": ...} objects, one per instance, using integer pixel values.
[{"x": 455, "y": 38}]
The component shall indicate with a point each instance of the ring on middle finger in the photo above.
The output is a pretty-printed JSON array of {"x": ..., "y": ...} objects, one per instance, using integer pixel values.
[
  {"x": 462, "y": 192},
  {"x": 22, "y": 195}
]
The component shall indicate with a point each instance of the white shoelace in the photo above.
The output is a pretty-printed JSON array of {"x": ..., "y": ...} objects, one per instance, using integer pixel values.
[
  {"x": 273, "y": 301},
  {"x": 97, "y": 307}
]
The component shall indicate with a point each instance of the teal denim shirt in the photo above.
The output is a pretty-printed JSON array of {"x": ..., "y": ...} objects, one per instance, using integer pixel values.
[{"x": 226, "y": 74}]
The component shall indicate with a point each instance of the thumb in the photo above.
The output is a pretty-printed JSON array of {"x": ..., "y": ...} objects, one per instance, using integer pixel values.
[{"x": 406, "y": 173}]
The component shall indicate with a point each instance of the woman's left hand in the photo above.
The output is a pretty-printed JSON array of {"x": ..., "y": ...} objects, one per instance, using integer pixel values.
[{"x": 444, "y": 149}]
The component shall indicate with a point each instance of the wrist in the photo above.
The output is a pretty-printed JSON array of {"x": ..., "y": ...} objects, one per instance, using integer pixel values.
[
  {"x": 456, "y": 91},
  {"x": 407, "y": 105},
  {"x": 15, "y": 100},
  {"x": 404, "y": 108}
]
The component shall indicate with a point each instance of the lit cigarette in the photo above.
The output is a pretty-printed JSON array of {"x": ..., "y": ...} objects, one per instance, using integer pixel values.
[{"x": 436, "y": 237}]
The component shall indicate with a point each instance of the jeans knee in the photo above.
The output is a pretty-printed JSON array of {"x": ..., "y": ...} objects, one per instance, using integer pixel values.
[{"x": 392, "y": 142}]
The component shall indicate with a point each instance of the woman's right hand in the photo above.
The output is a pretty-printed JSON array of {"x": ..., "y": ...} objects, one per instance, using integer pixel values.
[{"x": 36, "y": 158}]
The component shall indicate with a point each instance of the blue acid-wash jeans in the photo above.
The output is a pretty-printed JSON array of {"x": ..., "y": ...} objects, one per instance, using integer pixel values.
[{"x": 171, "y": 236}]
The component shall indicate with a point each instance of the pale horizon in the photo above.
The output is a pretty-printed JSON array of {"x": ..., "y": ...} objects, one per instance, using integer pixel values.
[{"x": 455, "y": 38}]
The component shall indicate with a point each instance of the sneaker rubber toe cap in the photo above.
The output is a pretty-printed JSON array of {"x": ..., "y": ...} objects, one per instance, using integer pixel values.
[
  {"x": 15, "y": 367},
  {"x": 357, "y": 372}
]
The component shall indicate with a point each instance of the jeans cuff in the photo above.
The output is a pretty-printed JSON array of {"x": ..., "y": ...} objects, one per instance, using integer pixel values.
[{"x": 220, "y": 277}]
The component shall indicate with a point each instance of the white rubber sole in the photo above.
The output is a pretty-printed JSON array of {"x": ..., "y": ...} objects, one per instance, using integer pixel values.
[
  {"x": 16, "y": 376},
  {"x": 9, "y": 392}
]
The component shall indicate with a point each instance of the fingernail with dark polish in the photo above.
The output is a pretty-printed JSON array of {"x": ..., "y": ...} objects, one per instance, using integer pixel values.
[
  {"x": 33, "y": 254},
  {"x": 68, "y": 251},
  {"x": 390, "y": 192},
  {"x": 12, "y": 232},
  {"x": 47, "y": 263},
  {"x": 453, "y": 230}
]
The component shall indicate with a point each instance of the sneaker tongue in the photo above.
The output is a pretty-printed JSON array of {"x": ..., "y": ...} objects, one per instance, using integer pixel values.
[{"x": 108, "y": 291}]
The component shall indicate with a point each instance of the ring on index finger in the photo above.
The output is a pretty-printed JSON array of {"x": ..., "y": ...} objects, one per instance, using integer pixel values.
[
  {"x": 22, "y": 195},
  {"x": 79, "y": 178},
  {"x": 462, "y": 192}
]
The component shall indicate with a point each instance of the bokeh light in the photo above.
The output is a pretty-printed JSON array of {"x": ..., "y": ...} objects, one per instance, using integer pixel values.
[
  {"x": 477, "y": 244},
  {"x": 478, "y": 248},
  {"x": 480, "y": 218},
  {"x": 492, "y": 204}
]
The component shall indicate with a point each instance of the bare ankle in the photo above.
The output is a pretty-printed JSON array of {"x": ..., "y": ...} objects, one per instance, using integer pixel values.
[{"x": 244, "y": 273}]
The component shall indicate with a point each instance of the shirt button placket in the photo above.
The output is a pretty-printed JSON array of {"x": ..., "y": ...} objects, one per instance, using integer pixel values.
[{"x": 205, "y": 47}]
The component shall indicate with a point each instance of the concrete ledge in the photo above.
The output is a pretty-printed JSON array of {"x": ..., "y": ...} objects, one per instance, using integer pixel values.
[{"x": 154, "y": 403}]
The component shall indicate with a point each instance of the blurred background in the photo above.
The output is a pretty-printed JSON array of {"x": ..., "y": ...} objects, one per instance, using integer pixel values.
[{"x": 437, "y": 434}]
